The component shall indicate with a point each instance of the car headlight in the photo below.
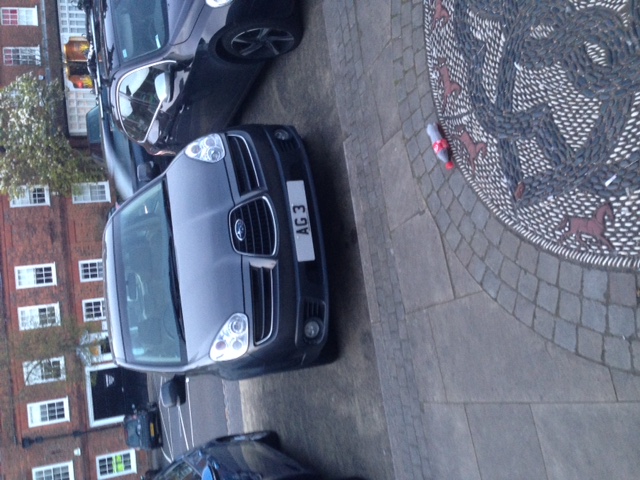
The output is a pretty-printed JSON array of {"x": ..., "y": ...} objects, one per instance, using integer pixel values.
[
  {"x": 233, "y": 339},
  {"x": 208, "y": 149},
  {"x": 218, "y": 3}
]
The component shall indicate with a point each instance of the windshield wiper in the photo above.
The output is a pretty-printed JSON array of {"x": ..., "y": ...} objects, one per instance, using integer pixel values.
[
  {"x": 175, "y": 289},
  {"x": 173, "y": 267}
]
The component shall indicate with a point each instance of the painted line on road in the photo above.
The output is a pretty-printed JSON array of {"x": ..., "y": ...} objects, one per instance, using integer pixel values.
[{"x": 193, "y": 443}]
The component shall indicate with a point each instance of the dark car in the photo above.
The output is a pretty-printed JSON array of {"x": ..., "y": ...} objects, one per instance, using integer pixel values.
[
  {"x": 128, "y": 164},
  {"x": 245, "y": 456},
  {"x": 218, "y": 264},
  {"x": 177, "y": 70},
  {"x": 142, "y": 428}
]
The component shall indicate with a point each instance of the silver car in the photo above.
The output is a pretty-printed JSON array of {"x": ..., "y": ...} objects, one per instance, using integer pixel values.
[{"x": 218, "y": 264}]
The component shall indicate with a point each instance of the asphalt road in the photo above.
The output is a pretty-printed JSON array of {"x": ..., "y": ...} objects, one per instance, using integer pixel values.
[{"x": 330, "y": 417}]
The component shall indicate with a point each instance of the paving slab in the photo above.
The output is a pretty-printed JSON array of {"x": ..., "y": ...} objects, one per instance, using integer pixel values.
[
  {"x": 589, "y": 441},
  {"x": 505, "y": 440},
  {"x": 400, "y": 191},
  {"x": 422, "y": 270},
  {"x": 451, "y": 450},
  {"x": 486, "y": 356}
]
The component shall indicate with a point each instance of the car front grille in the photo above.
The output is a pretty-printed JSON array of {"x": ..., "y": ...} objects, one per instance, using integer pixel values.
[
  {"x": 243, "y": 165},
  {"x": 253, "y": 228},
  {"x": 262, "y": 303}
]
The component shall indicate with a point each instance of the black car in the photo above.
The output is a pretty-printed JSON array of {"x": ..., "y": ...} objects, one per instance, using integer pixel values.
[
  {"x": 177, "y": 70},
  {"x": 127, "y": 163},
  {"x": 245, "y": 456},
  {"x": 142, "y": 429},
  {"x": 218, "y": 264}
]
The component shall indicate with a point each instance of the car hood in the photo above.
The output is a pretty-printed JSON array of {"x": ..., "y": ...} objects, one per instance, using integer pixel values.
[{"x": 209, "y": 270}]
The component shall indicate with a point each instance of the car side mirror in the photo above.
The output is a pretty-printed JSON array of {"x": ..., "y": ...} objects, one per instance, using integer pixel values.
[
  {"x": 173, "y": 392},
  {"x": 147, "y": 171},
  {"x": 209, "y": 474}
]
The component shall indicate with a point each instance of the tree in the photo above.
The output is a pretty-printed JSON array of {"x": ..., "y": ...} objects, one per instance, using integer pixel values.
[
  {"x": 34, "y": 150},
  {"x": 39, "y": 351},
  {"x": 35, "y": 349}
]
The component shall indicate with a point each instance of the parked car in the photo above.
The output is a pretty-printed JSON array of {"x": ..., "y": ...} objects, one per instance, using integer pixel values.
[
  {"x": 218, "y": 264},
  {"x": 179, "y": 70},
  {"x": 142, "y": 429},
  {"x": 251, "y": 456},
  {"x": 127, "y": 163}
]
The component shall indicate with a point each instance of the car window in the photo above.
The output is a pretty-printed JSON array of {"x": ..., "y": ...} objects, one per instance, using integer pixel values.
[
  {"x": 179, "y": 471},
  {"x": 150, "y": 318},
  {"x": 141, "y": 27}
]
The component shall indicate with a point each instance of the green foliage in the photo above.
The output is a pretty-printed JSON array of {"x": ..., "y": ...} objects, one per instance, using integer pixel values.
[
  {"x": 69, "y": 340},
  {"x": 34, "y": 149}
]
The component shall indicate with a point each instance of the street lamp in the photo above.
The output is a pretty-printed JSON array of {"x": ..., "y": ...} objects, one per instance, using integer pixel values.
[{"x": 28, "y": 441}]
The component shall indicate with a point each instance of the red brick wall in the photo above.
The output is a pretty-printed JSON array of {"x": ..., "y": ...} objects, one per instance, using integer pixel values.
[
  {"x": 62, "y": 233},
  {"x": 20, "y": 36}
]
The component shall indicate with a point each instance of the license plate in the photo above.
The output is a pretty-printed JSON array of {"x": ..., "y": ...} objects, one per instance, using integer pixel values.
[{"x": 300, "y": 221}]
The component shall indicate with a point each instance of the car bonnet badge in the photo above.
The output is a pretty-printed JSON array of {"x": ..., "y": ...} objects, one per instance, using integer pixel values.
[{"x": 240, "y": 229}]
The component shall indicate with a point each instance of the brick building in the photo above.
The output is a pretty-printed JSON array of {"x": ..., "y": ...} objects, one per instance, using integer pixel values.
[{"x": 60, "y": 418}]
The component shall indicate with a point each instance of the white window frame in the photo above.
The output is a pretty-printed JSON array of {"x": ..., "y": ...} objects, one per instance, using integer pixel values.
[
  {"x": 91, "y": 270},
  {"x": 31, "y": 317},
  {"x": 21, "y": 56},
  {"x": 25, "y": 16},
  {"x": 34, "y": 373},
  {"x": 91, "y": 306},
  {"x": 29, "y": 197},
  {"x": 26, "y": 271},
  {"x": 96, "y": 192},
  {"x": 35, "y": 416},
  {"x": 53, "y": 471},
  {"x": 112, "y": 456}
]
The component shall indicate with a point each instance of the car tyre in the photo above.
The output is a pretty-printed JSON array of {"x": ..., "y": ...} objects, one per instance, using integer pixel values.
[
  {"x": 260, "y": 40},
  {"x": 173, "y": 392},
  {"x": 267, "y": 437}
]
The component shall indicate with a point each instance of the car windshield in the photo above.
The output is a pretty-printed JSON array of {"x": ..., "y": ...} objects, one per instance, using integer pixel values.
[
  {"x": 140, "y": 25},
  {"x": 148, "y": 293},
  {"x": 133, "y": 431}
]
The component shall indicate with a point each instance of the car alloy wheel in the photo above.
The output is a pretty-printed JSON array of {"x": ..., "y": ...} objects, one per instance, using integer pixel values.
[{"x": 261, "y": 41}]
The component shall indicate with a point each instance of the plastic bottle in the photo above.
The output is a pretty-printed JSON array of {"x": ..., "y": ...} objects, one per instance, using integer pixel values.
[{"x": 440, "y": 145}]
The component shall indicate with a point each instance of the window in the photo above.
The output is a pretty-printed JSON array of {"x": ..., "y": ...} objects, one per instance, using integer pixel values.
[
  {"x": 21, "y": 55},
  {"x": 61, "y": 471},
  {"x": 39, "y": 316},
  {"x": 94, "y": 309},
  {"x": 44, "y": 371},
  {"x": 116, "y": 464},
  {"x": 71, "y": 19},
  {"x": 36, "y": 275},
  {"x": 20, "y": 16},
  {"x": 91, "y": 192},
  {"x": 99, "y": 349},
  {"x": 90, "y": 270},
  {"x": 31, "y": 196},
  {"x": 48, "y": 412}
]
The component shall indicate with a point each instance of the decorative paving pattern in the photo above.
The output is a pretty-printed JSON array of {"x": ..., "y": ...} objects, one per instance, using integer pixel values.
[{"x": 540, "y": 102}]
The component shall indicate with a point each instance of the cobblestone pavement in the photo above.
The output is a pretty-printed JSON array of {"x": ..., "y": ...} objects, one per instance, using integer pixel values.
[
  {"x": 499, "y": 351},
  {"x": 541, "y": 101},
  {"x": 544, "y": 120}
]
